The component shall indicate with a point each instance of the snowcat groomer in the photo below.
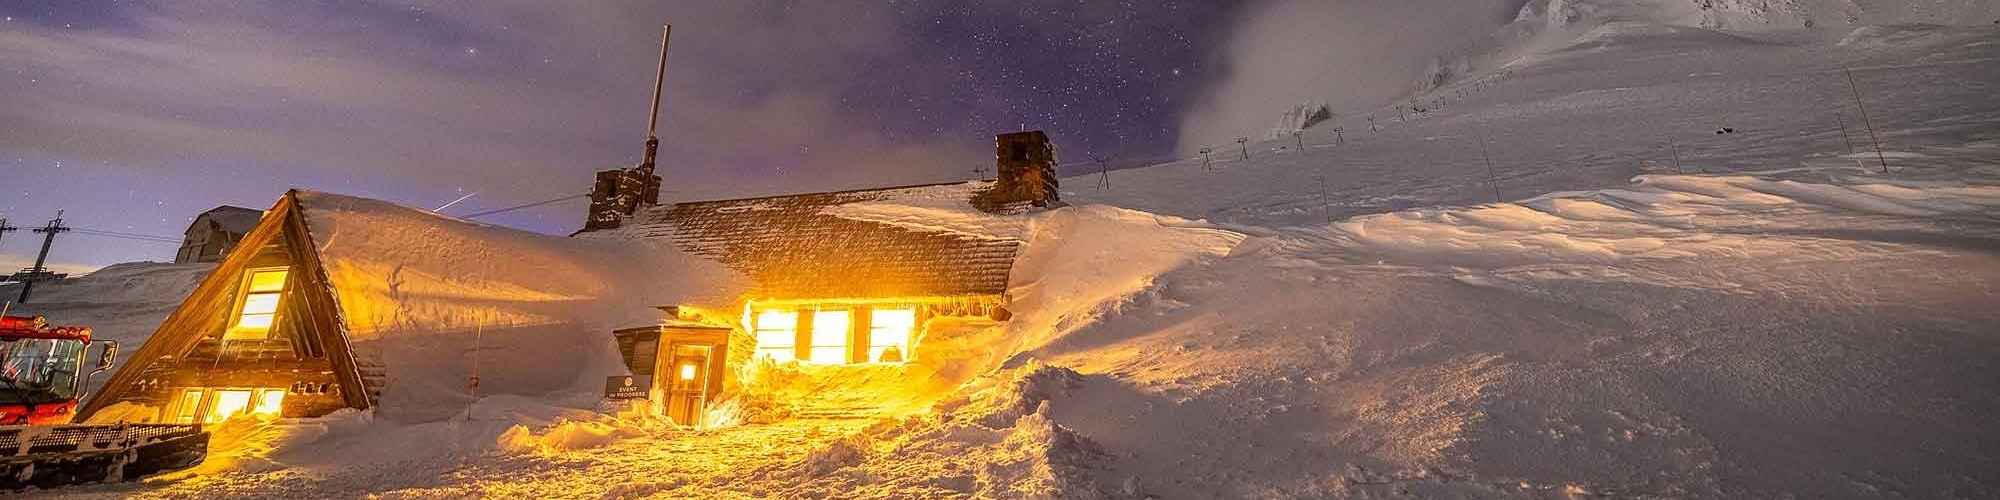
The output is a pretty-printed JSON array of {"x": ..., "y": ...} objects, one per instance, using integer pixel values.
[{"x": 41, "y": 380}]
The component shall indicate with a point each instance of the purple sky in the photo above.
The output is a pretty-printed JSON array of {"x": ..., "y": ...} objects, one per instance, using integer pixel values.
[{"x": 136, "y": 116}]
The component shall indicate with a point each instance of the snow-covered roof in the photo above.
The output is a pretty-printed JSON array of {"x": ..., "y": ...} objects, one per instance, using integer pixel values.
[
  {"x": 419, "y": 293},
  {"x": 910, "y": 241},
  {"x": 233, "y": 219}
]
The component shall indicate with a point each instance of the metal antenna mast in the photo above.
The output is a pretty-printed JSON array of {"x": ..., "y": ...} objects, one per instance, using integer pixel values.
[{"x": 653, "y": 121}]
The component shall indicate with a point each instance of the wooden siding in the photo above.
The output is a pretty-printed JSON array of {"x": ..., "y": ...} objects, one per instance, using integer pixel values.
[{"x": 306, "y": 351}]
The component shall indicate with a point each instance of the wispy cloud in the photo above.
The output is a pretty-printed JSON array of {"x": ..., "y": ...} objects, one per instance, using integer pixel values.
[
  {"x": 1352, "y": 54},
  {"x": 522, "y": 99}
]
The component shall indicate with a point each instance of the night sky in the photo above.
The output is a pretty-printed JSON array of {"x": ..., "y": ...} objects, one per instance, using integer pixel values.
[{"x": 136, "y": 116}]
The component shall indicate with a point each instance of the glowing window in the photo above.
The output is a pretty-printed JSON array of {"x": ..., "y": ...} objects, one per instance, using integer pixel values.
[
  {"x": 270, "y": 402},
  {"x": 890, "y": 330},
  {"x": 216, "y": 405},
  {"x": 778, "y": 335},
  {"x": 259, "y": 309},
  {"x": 829, "y": 336},
  {"x": 227, "y": 403},
  {"x": 190, "y": 406},
  {"x": 687, "y": 371}
]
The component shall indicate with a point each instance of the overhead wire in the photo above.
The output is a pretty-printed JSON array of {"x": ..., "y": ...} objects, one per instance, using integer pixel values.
[
  {"x": 518, "y": 207},
  {"x": 123, "y": 235}
]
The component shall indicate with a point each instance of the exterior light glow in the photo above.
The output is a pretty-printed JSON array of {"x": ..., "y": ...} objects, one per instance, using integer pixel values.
[
  {"x": 829, "y": 336},
  {"x": 777, "y": 334},
  {"x": 889, "y": 334}
]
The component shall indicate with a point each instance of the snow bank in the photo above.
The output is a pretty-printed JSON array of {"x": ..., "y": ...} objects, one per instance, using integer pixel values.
[
  {"x": 121, "y": 302},
  {"x": 130, "y": 282},
  {"x": 428, "y": 298},
  {"x": 565, "y": 435},
  {"x": 991, "y": 439},
  {"x": 1679, "y": 337},
  {"x": 1083, "y": 260},
  {"x": 1660, "y": 217},
  {"x": 937, "y": 209}
]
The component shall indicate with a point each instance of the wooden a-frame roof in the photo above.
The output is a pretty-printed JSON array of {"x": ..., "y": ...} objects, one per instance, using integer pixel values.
[{"x": 213, "y": 300}]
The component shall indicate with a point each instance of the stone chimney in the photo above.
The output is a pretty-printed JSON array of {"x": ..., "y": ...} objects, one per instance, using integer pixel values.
[
  {"x": 1027, "y": 171},
  {"x": 619, "y": 193}
]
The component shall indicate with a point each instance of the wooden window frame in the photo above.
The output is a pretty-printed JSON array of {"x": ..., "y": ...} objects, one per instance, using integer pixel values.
[
  {"x": 757, "y": 332},
  {"x": 205, "y": 403},
  {"x": 234, "y": 330}
]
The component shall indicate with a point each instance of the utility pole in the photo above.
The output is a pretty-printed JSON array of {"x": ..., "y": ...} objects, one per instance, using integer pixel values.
[
  {"x": 1324, "y": 208},
  {"x": 38, "y": 273},
  {"x": 1676, "y": 149},
  {"x": 4, "y": 228},
  {"x": 1205, "y": 165},
  {"x": 1244, "y": 142},
  {"x": 1836, "y": 119},
  {"x": 1489, "y": 169},
  {"x": 472, "y": 381},
  {"x": 1864, "y": 120},
  {"x": 1299, "y": 135},
  {"x": 1103, "y": 170},
  {"x": 1338, "y": 137}
]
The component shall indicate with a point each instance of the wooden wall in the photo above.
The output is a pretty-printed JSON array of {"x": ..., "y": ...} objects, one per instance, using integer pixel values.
[{"x": 290, "y": 357}]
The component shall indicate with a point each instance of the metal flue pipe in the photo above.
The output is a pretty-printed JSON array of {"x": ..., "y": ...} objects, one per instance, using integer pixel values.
[{"x": 653, "y": 121}]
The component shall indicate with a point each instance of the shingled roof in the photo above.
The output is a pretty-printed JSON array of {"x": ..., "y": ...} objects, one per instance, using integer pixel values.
[
  {"x": 793, "y": 248},
  {"x": 233, "y": 219}
]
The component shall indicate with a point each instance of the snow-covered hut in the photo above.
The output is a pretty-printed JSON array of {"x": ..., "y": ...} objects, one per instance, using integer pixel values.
[
  {"x": 854, "y": 276},
  {"x": 215, "y": 232},
  {"x": 338, "y": 302}
]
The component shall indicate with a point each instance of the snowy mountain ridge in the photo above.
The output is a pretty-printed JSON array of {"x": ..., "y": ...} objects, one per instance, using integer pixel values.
[{"x": 1760, "y": 15}]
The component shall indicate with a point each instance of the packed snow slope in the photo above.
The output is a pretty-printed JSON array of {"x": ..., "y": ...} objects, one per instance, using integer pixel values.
[
  {"x": 121, "y": 302},
  {"x": 1784, "y": 320},
  {"x": 1619, "y": 100}
]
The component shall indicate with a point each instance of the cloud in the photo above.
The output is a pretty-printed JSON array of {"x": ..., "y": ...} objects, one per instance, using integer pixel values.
[
  {"x": 1352, "y": 54},
  {"x": 523, "y": 99}
]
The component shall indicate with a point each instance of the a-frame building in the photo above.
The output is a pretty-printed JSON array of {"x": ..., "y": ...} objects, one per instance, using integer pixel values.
[
  {"x": 336, "y": 302},
  {"x": 263, "y": 333}
]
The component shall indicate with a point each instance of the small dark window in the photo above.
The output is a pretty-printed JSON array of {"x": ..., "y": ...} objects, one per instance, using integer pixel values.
[{"x": 1018, "y": 151}]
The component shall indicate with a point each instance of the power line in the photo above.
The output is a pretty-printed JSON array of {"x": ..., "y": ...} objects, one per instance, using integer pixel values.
[
  {"x": 105, "y": 232},
  {"x": 518, "y": 207},
  {"x": 133, "y": 238}
]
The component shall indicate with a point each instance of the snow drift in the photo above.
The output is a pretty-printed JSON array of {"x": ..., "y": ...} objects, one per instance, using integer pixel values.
[
  {"x": 121, "y": 302},
  {"x": 1364, "y": 55},
  {"x": 425, "y": 297}
]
